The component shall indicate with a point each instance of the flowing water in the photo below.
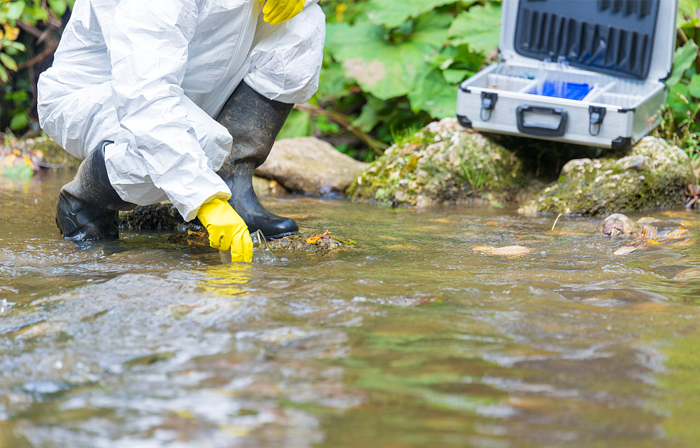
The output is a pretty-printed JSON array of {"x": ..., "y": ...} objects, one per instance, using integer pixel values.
[{"x": 410, "y": 339}]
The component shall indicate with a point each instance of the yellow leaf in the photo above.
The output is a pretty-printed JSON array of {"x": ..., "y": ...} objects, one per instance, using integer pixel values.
[
  {"x": 313, "y": 240},
  {"x": 11, "y": 33}
]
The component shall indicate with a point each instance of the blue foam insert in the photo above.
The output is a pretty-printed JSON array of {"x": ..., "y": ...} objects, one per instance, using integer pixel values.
[{"x": 570, "y": 90}]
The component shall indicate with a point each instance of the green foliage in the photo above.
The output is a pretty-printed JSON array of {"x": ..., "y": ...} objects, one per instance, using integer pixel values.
[
  {"x": 16, "y": 47},
  {"x": 392, "y": 65},
  {"x": 680, "y": 123}
]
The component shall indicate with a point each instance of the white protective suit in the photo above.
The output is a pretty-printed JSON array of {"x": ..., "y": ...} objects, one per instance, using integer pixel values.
[{"x": 149, "y": 75}]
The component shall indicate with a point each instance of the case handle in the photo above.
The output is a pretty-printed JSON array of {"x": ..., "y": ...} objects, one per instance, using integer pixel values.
[{"x": 542, "y": 131}]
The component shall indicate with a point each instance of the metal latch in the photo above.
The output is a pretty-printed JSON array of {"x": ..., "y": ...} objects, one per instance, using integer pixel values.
[
  {"x": 488, "y": 103},
  {"x": 597, "y": 115}
]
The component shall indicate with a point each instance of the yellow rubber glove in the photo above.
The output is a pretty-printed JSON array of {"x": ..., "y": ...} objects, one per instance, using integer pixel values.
[
  {"x": 278, "y": 11},
  {"x": 227, "y": 231}
]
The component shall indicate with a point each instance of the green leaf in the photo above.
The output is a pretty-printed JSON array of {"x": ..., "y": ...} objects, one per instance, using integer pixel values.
[
  {"x": 15, "y": 10},
  {"x": 19, "y": 121},
  {"x": 479, "y": 27},
  {"x": 434, "y": 95},
  {"x": 3, "y": 75},
  {"x": 678, "y": 100},
  {"x": 394, "y": 13},
  {"x": 682, "y": 61},
  {"x": 8, "y": 62},
  {"x": 384, "y": 69},
  {"x": 298, "y": 124},
  {"x": 370, "y": 116},
  {"x": 694, "y": 86},
  {"x": 456, "y": 76},
  {"x": 58, "y": 6}
]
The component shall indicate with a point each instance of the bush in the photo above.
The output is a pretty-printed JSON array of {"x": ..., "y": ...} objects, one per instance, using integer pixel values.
[{"x": 29, "y": 36}]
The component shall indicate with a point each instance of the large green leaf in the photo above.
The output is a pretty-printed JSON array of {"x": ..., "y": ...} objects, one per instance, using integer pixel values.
[
  {"x": 382, "y": 68},
  {"x": 434, "y": 95},
  {"x": 682, "y": 61},
  {"x": 393, "y": 13},
  {"x": 479, "y": 27}
]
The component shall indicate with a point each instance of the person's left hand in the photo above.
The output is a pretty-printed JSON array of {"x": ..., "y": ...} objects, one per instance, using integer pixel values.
[{"x": 278, "y": 11}]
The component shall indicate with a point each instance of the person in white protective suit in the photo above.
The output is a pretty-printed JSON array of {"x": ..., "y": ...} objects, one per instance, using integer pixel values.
[{"x": 178, "y": 100}]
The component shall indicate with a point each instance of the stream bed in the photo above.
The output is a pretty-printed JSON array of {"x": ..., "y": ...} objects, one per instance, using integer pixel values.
[{"x": 409, "y": 339}]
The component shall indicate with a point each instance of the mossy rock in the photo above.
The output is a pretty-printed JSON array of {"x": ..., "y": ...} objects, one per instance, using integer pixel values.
[
  {"x": 293, "y": 244},
  {"x": 441, "y": 164},
  {"x": 53, "y": 155},
  {"x": 163, "y": 216},
  {"x": 650, "y": 176}
]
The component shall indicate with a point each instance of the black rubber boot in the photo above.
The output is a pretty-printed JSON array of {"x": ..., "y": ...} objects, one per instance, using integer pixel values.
[
  {"x": 254, "y": 122},
  {"x": 88, "y": 206}
]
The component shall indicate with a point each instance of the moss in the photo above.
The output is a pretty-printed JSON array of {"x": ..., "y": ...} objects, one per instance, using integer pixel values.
[
  {"x": 650, "y": 176},
  {"x": 163, "y": 216},
  {"x": 294, "y": 243},
  {"x": 443, "y": 163}
]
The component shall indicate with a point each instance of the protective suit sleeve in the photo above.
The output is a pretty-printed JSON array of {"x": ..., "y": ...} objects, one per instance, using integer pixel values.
[
  {"x": 148, "y": 46},
  {"x": 286, "y": 58}
]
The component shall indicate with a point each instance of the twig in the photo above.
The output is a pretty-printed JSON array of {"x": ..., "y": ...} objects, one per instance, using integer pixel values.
[
  {"x": 40, "y": 57},
  {"x": 345, "y": 121},
  {"x": 556, "y": 221}
]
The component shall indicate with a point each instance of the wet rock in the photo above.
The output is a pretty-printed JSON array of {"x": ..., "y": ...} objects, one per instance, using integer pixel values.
[
  {"x": 618, "y": 224},
  {"x": 164, "y": 216},
  {"x": 650, "y": 176},
  {"x": 310, "y": 165},
  {"x": 295, "y": 243},
  {"x": 692, "y": 192},
  {"x": 441, "y": 164}
]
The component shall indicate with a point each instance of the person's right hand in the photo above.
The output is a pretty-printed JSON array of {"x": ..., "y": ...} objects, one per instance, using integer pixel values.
[{"x": 227, "y": 231}]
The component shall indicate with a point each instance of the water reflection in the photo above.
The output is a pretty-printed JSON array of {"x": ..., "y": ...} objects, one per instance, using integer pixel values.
[{"x": 410, "y": 339}]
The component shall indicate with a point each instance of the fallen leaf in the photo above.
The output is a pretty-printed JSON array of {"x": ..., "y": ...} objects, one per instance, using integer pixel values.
[
  {"x": 646, "y": 231},
  {"x": 315, "y": 239},
  {"x": 624, "y": 250},
  {"x": 650, "y": 306},
  {"x": 508, "y": 251},
  {"x": 441, "y": 220}
]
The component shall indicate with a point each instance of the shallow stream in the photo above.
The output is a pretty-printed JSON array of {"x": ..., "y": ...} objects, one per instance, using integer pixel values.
[{"x": 410, "y": 339}]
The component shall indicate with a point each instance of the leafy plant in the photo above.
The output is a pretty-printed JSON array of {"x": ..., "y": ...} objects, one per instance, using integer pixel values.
[
  {"x": 680, "y": 121},
  {"x": 25, "y": 26},
  {"x": 394, "y": 65}
]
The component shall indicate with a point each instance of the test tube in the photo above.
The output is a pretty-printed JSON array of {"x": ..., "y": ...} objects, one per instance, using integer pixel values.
[{"x": 559, "y": 81}]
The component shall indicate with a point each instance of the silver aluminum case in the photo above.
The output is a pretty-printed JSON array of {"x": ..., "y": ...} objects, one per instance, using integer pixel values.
[{"x": 632, "y": 107}]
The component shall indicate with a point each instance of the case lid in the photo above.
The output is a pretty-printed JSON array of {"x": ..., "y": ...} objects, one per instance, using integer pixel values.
[{"x": 625, "y": 38}]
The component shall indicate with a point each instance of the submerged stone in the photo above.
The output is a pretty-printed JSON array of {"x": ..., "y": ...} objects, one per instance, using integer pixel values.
[
  {"x": 650, "y": 176},
  {"x": 294, "y": 243},
  {"x": 164, "y": 216},
  {"x": 442, "y": 164}
]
